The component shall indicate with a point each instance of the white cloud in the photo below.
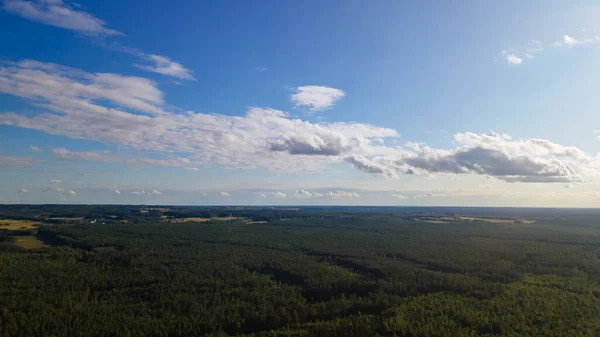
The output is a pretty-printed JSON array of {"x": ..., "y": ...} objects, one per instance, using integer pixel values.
[
  {"x": 165, "y": 66},
  {"x": 399, "y": 196},
  {"x": 55, "y": 181},
  {"x": 430, "y": 195},
  {"x": 530, "y": 160},
  {"x": 35, "y": 148},
  {"x": 484, "y": 186},
  {"x": 326, "y": 143},
  {"x": 117, "y": 191},
  {"x": 535, "y": 47},
  {"x": 513, "y": 59},
  {"x": 280, "y": 195},
  {"x": 569, "y": 41},
  {"x": 62, "y": 191},
  {"x": 342, "y": 195},
  {"x": 105, "y": 156},
  {"x": 316, "y": 97},
  {"x": 14, "y": 161},
  {"x": 82, "y": 104},
  {"x": 59, "y": 14},
  {"x": 263, "y": 137},
  {"x": 23, "y": 190},
  {"x": 496, "y": 155},
  {"x": 339, "y": 194},
  {"x": 73, "y": 92},
  {"x": 143, "y": 192},
  {"x": 304, "y": 194},
  {"x": 193, "y": 168},
  {"x": 225, "y": 194},
  {"x": 368, "y": 166},
  {"x": 272, "y": 194},
  {"x": 596, "y": 133}
]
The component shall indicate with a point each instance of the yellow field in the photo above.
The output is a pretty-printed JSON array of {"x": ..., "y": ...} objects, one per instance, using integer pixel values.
[
  {"x": 63, "y": 218},
  {"x": 18, "y": 224},
  {"x": 468, "y": 218},
  {"x": 435, "y": 221},
  {"x": 208, "y": 219},
  {"x": 255, "y": 222},
  {"x": 29, "y": 242}
]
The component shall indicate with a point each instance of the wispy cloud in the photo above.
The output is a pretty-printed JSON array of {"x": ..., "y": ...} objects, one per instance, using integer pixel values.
[
  {"x": 67, "y": 90},
  {"x": 274, "y": 194},
  {"x": 35, "y": 148},
  {"x": 225, "y": 194},
  {"x": 534, "y": 47},
  {"x": 337, "y": 194},
  {"x": 61, "y": 14},
  {"x": 62, "y": 191},
  {"x": 14, "y": 161},
  {"x": 342, "y": 195},
  {"x": 80, "y": 105},
  {"x": 104, "y": 156},
  {"x": 143, "y": 192},
  {"x": 315, "y": 97},
  {"x": 368, "y": 166},
  {"x": 513, "y": 59},
  {"x": 165, "y": 66},
  {"x": 569, "y": 41},
  {"x": 430, "y": 195},
  {"x": 58, "y": 13}
]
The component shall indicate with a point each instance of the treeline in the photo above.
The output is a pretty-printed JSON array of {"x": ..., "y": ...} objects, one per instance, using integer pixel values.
[{"x": 304, "y": 273}]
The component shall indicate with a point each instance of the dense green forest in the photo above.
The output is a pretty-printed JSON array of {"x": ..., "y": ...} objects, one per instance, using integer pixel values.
[{"x": 303, "y": 272}]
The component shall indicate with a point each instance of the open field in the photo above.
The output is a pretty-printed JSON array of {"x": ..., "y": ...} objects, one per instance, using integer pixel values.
[
  {"x": 255, "y": 222},
  {"x": 29, "y": 242},
  {"x": 468, "y": 218},
  {"x": 18, "y": 224},
  {"x": 435, "y": 221},
  {"x": 209, "y": 219}
]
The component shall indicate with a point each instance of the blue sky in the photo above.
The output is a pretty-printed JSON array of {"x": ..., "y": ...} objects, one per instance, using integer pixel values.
[{"x": 313, "y": 102}]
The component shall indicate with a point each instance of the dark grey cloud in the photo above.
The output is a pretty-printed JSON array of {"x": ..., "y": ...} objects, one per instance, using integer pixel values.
[
  {"x": 365, "y": 165},
  {"x": 324, "y": 144},
  {"x": 492, "y": 162}
]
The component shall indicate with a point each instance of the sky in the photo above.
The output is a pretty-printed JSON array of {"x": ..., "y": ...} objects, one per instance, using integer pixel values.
[{"x": 455, "y": 103}]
